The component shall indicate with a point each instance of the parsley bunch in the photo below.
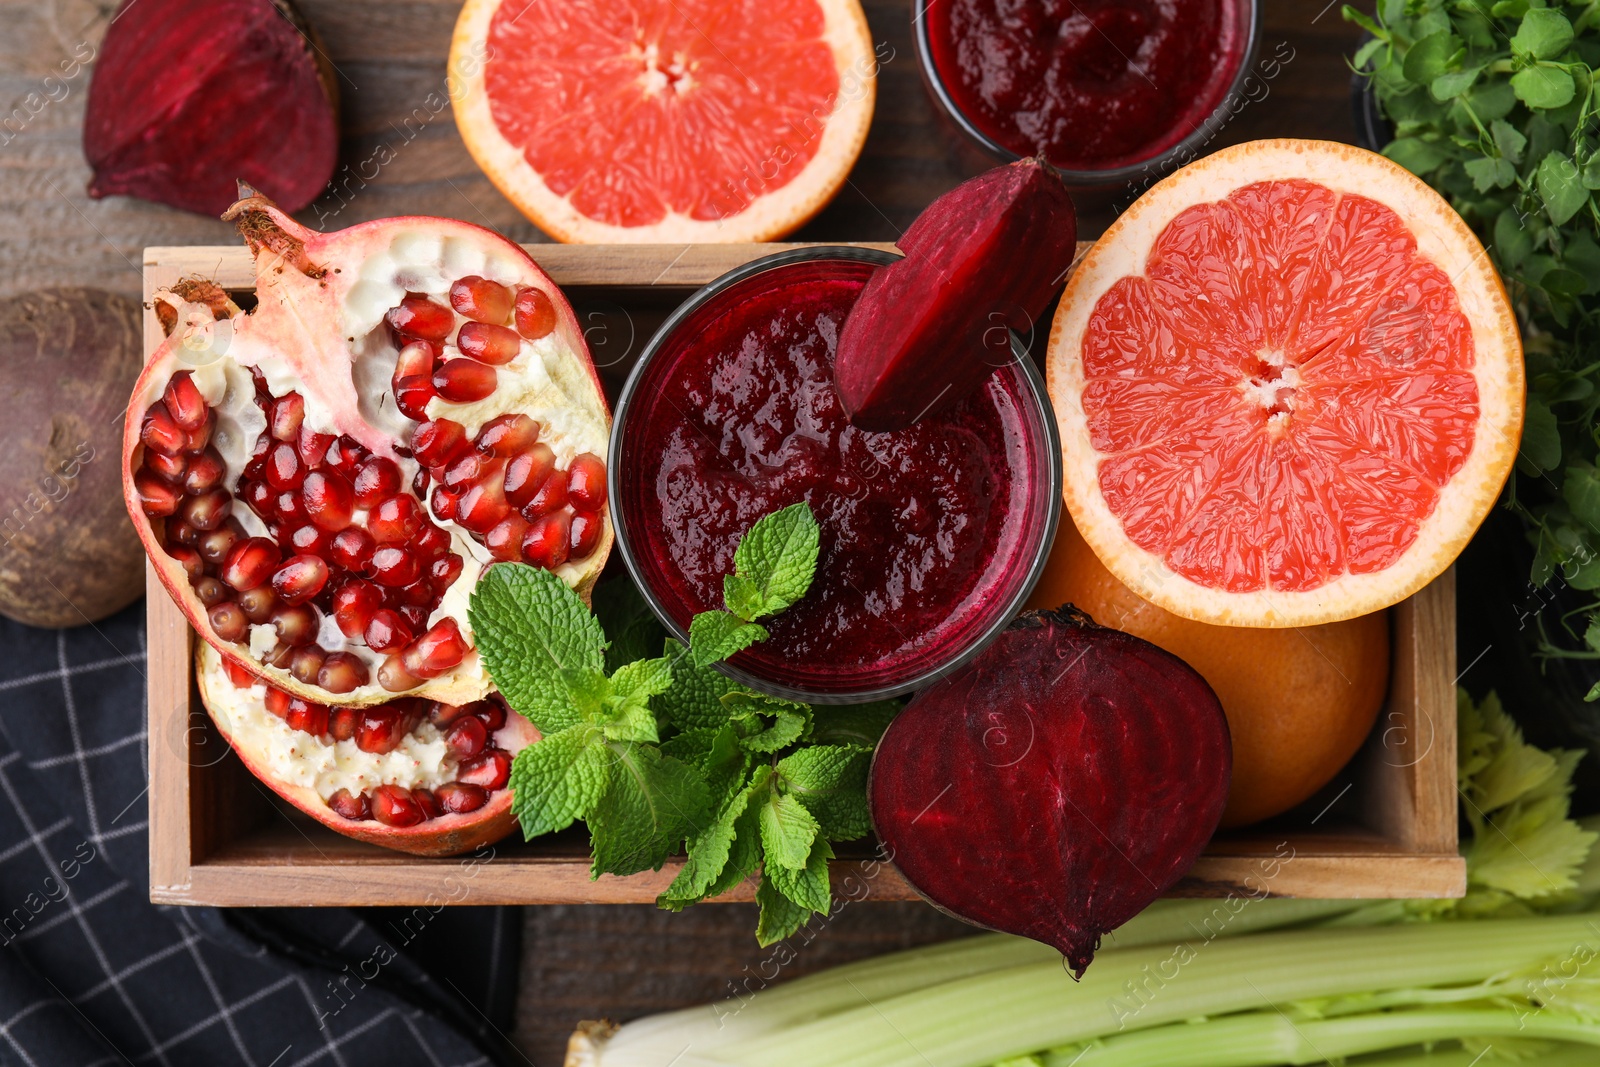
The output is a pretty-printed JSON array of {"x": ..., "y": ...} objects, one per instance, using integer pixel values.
[
  {"x": 665, "y": 753},
  {"x": 1494, "y": 104}
]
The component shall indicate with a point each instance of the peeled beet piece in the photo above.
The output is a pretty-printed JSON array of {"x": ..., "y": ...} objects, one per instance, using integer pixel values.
[
  {"x": 929, "y": 329},
  {"x": 191, "y": 96},
  {"x": 1056, "y": 785}
]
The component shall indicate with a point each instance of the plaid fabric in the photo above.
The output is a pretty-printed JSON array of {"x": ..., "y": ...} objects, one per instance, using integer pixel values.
[{"x": 96, "y": 974}]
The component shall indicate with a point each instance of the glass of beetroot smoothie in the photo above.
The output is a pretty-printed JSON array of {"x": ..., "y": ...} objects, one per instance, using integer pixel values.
[
  {"x": 931, "y": 537},
  {"x": 1105, "y": 90}
]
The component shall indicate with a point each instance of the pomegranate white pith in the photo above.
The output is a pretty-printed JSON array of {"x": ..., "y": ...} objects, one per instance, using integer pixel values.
[
  {"x": 386, "y": 774},
  {"x": 321, "y": 481}
]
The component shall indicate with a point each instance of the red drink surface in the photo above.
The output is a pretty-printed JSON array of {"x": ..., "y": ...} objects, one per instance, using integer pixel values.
[
  {"x": 1089, "y": 84},
  {"x": 737, "y": 417}
]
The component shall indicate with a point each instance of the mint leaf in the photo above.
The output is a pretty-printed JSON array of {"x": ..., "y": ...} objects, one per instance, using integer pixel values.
[
  {"x": 530, "y": 627},
  {"x": 780, "y": 916},
  {"x": 831, "y": 781},
  {"x": 631, "y": 721},
  {"x": 774, "y": 563},
  {"x": 653, "y": 803},
  {"x": 859, "y": 724},
  {"x": 557, "y": 781},
  {"x": 791, "y": 721},
  {"x": 787, "y": 831},
  {"x": 587, "y": 691},
  {"x": 716, "y": 635},
  {"x": 709, "y": 850},
  {"x": 1544, "y": 34},
  {"x": 744, "y": 856},
  {"x": 808, "y": 886},
  {"x": 627, "y": 620},
  {"x": 695, "y": 697}
]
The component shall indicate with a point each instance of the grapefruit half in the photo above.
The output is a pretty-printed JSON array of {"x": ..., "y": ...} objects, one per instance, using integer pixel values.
[
  {"x": 1289, "y": 385},
  {"x": 664, "y": 120}
]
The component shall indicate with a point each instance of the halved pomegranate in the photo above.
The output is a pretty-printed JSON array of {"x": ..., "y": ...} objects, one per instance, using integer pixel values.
[
  {"x": 415, "y": 775},
  {"x": 320, "y": 481}
]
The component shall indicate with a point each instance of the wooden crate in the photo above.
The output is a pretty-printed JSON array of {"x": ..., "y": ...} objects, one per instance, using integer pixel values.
[{"x": 1386, "y": 827}]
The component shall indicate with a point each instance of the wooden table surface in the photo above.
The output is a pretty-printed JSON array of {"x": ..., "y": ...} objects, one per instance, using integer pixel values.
[{"x": 579, "y": 962}]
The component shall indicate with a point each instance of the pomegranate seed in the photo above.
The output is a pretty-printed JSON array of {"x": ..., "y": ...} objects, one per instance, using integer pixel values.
[
  {"x": 156, "y": 497},
  {"x": 161, "y": 432},
  {"x": 549, "y": 497},
  {"x": 214, "y": 545},
  {"x": 345, "y": 455},
  {"x": 418, "y": 594},
  {"x": 342, "y": 724},
  {"x": 260, "y": 497},
  {"x": 506, "y": 435},
  {"x": 394, "y": 677},
  {"x": 431, "y": 543},
  {"x": 289, "y": 507},
  {"x": 297, "y": 624},
  {"x": 395, "y": 566},
  {"x": 488, "y": 343},
  {"x": 355, "y": 808},
  {"x": 300, "y": 578},
  {"x": 489, "y": 771},
  {"x": 411, "y": 396},
  {"x": 283, "y": 420},
  {"x": 586, "y": 482},
  {"x": 281, "y": 656},
  {"x": 206, "y": 512},
  {"x": 441, "y": 715},
  {"x": 250, "y": 563},
  {"x": 284, "y": 469},
  {"x": 228, "y": 621},
  {"x": 304, "y": 715},
  {"x": 313, "y": 447},
  {"x": 353, "y": 605},
  {"x": 328, "y": 499},
  {"x": 194, "y": 567},
  {"x": 257, "y": 603},
  {"x": 417, "y": 316},
  {"x": 210, "y": 592},
  {"x": 504, "y": 539},
  {"x": 352, "y": 550},
  {"x": 438, "y": 441},
  {"x": 184, "y": 402},
  {"x": 205, "y": 473},
  {"x": 470, "y": 468},
  {"x": 196, "y": 440},
  {"x": 435, "y": 652},
  {"x": 442, "y": 573},
  {"x": 427, "y": 802},
  {"x": 256, "y": 467},
  {"x": 396, "y": 520},
  {"x": 167, "y": 468},
  {"x": 587, "y": 527},
  {"x": 548, "y": 541},
  {"x": 536, "y": 314},
  {"x": 380, "y": 730},
  {"x": 388, "y": 632},
  {"x": 278, "y": 701},
  {"x": 239, "y": 675},
  {"x": 420, "y": 482},
  {"x": 480, "y": 299},
  {"x": 181, "y": 533},
  {"x": 309, "y": 541},
  {"x": 306, "y": 663},
  {"x": 467, "y": 738},
  {"x": 492, "y": 712},
  {"x": 341, "y": 672},
  {"x": 483, "y": 506},
  {"x": 463, "y": 381},
  {"x": 377, "y": 479},
  {"x": 444, "y": 503},
  {"x": 459, "y": 798},
  {"x": 416, "y": 359},
  {"x": 393, "y": 806},
  {"x": 527, "y": 473}
]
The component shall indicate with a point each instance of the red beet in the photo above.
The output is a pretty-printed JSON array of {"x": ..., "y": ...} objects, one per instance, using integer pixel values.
[
  {"x": 1055, "y": 786},
  {"x": 928, "y": 330},
  {"x": 191, "y": 96}
]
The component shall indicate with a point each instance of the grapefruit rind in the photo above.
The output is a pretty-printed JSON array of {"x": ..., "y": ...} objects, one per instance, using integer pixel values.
[
  {"x": 768, "y": 217},
  {"x": 1442, "y": 238}
]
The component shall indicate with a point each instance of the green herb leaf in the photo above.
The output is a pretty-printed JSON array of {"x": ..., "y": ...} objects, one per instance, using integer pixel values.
[
  {"x": 858, "y": 724},
  {"x": 1430, "y": 57},
  {"x": 716, "y": 635},
  {"x": 791, "y": 721},
  {"x": 694, "y": 699},
  {"x": 710, "y": 850},
  {"x": 1557, "y": 181},
  {"x": 530, "y": 628},
  {"x": 808, "y": 886},
  {"x": 558, "y": 781},
  {"x": 1508, "y": 139},
  {"x": 1489, "y": 172},
  {"x": 787, "y": 830},
  {"x": 1541, "y": 439},
  {"x": 653, "y": 803},
  {"x": 1543, "y": 86},
  {"x": 780, "y": 916},
  {"x": 831, "y": 781},
  {"x": 627, "y": 620},
  {"x": 774, "y": 563},
  {"x": 1544, "y": 34},
  {"x": 1417, "y": 155},
  {"x": 1451, "y": 85},
  {"x": 744, "y": 856},
  {"x": 1581, "y": 490}
]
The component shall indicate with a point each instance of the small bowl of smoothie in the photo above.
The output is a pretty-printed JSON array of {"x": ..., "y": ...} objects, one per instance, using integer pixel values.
[
  {"x": 1105, "y": 90},
  {"x": 931, "y": 536}
]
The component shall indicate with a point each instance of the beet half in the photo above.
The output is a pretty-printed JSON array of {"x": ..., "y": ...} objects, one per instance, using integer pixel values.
[
  {"x": 1055, "y": 786},
  {"x": 928, "y": 330}
]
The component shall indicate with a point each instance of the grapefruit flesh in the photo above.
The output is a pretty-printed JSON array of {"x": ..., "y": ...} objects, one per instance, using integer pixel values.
[
  {"x": 1300, "y": 401},
  {"x": 664, "y": 119}
]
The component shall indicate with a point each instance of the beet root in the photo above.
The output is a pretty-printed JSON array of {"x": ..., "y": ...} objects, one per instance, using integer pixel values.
[
  {"x": 929, "y": 330},
  {"x": 1055, "y": 786},
  {"x": 191, "y": 96}
]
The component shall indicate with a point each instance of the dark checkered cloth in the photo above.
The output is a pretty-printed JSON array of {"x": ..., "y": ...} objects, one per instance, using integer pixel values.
[{"x": 96, "y": 974}]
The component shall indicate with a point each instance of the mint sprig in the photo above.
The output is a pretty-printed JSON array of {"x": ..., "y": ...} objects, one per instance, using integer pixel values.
[{"x": 654, "y": 754}]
